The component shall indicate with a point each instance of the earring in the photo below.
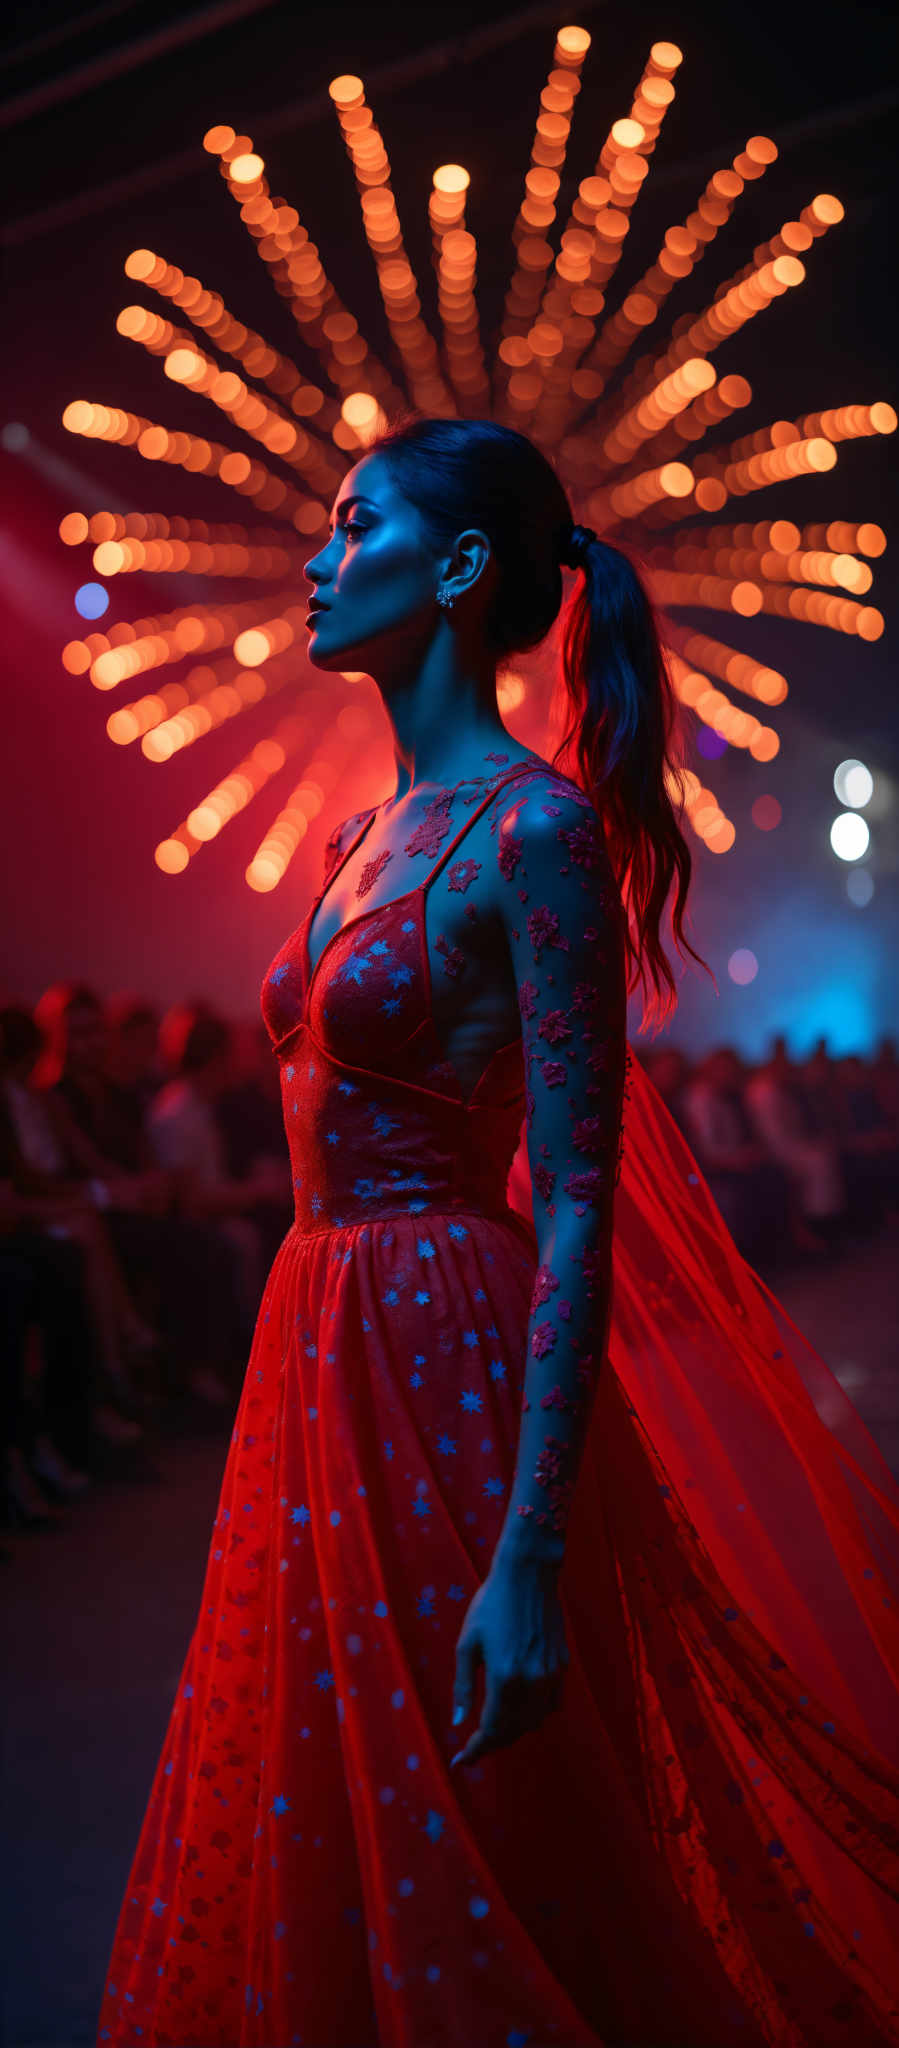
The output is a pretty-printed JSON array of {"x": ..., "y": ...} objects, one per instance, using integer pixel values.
[{"x": 446, "y": 598}]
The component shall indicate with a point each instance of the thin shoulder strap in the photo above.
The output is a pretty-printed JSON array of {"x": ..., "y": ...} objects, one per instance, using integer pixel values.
[
  {"x": 514, "y": 774},
  {"x": 342, "y": 858}
]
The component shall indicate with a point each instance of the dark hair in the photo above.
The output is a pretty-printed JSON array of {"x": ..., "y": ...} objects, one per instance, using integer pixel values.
[
  {"x": 625, "y": 725},
  {"x": 127, "y": 1012},
  {"x": 191, "y": 1036},
  {"x": 20, "y": 1037}
]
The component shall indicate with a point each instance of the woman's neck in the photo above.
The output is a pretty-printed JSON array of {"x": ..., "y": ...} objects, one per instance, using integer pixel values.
[{"x": 479, "y": 760}]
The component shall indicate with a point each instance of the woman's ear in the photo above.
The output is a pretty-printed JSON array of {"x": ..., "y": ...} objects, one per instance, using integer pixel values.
[{"x": 471, "y": 563}]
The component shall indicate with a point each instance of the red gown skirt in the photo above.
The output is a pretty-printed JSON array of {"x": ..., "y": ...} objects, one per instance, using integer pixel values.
[{"x": 701, "y": 1850}]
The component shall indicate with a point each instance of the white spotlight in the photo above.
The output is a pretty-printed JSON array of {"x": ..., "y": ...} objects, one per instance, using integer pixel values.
[
  {"x": 849, "y": 836},
  {"x": 854, "y": 784}
]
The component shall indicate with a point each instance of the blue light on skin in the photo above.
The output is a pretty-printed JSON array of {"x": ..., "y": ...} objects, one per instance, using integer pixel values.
[
  {"x": 710, "y": 744},
  {"x": 91, "y": 601}
]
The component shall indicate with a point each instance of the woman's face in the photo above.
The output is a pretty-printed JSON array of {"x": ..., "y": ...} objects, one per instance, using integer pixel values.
[{"x": 376, "y": 579}]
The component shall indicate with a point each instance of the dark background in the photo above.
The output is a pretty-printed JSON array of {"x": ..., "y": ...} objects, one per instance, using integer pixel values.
[{"x": 104, "y": 110}]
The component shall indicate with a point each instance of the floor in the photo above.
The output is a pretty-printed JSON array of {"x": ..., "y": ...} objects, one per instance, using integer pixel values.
[{"x": 98, "y": 1615}]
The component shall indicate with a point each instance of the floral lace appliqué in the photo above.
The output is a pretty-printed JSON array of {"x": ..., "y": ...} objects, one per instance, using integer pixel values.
[{"x": 372, "y": 869}]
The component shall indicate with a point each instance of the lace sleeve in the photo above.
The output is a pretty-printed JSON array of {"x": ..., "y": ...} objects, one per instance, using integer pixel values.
[{"x": 565, "y": 928}]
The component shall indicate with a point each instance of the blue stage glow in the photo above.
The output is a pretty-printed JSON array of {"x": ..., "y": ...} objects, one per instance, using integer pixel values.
[
  {"x": 710, "y": 744},
  {"x": 92, "y": 600}
]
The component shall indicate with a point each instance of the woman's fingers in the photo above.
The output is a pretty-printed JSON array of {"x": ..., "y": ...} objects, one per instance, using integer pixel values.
[{"x": 510, "y": 1711}]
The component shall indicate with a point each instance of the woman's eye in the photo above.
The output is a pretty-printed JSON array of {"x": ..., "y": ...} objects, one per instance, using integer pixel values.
[{"x": 351, "y": 526}]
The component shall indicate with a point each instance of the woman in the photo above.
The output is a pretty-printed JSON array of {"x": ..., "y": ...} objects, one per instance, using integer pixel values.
[{"x": 615, "y": 1534}]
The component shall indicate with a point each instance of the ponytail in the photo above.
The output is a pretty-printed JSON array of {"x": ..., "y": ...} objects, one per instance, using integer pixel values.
[
  {"x": 629, "y": 749},
  {"x": 625, "y": 718}
]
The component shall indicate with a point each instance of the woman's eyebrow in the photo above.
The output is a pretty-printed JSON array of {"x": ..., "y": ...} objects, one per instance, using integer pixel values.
[{"x": 356, "y": 499}]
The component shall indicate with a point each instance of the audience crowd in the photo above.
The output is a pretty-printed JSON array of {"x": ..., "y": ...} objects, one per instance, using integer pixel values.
[{"x": 145, "y": 1188}]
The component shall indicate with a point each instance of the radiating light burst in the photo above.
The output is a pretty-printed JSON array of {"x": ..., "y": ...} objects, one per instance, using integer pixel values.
[{"x": 639, "y": 424}]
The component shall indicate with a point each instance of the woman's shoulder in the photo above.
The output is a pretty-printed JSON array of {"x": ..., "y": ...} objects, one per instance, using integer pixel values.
[{"x": 545, "y": 788}]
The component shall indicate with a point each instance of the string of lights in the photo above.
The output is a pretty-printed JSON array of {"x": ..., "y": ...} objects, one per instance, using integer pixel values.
[{"x": 633, "y": 437}]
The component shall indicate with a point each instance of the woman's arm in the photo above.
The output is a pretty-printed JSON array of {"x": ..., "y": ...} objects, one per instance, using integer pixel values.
[{"x": 565, "y": 928}]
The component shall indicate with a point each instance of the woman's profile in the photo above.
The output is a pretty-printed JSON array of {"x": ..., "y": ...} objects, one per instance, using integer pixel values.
[{"x": 544, "y": 1690}]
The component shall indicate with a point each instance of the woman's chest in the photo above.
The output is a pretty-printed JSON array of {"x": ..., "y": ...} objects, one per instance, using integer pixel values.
[{"x": 449, "y": 925}]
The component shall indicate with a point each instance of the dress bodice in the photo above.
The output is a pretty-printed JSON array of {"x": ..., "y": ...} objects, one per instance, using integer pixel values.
[{"x": 374, "y": 1112}]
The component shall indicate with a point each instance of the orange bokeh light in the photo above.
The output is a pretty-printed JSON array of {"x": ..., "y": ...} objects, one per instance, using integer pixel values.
[{"x": 451, "y": 178}]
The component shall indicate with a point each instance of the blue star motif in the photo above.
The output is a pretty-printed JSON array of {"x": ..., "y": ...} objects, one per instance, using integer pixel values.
[
  {"x": 422, "y": 1507},
  {"x": 497, "y": 1369},
  {"x": 455, "y": 1593},
  {"x": 471, "y": 1338},
  {"x": 280, "y": 974},
  {"x": 422, "y": 1297},
  {"x": 323, "y": 1679},
  {"x": 280, "y": 1805},
  {"x": 445, "y": 1444},
  {"x": 388, "y": 1450},
  {"x": 333, "y": 1137},
  {"x": 434, "y": 1826},
  {"x": 425, "y": 1248},
  {"x": 426, "y": 1603},
  {"x": 383, "y": 1124},
  {"x": 458, "y": 1231},
  {"x": 380, "y": 946},
  {"x": 357, "y": 965},
  {"x": 415, "y": 1380},
  {"x": 300, "y": 1515},
  {"x": 409, "y": 925},
  {"x": 493, "y": 1486},
  {"x": 391, "y": 1298},
  {"x": 391, "y": 1006},
  {"x": 472, "y": 1403},
  {"x": 400, "y": 976},
  {"x": 158, "y": 1906},
  {"x": 419, "y": 1358}
]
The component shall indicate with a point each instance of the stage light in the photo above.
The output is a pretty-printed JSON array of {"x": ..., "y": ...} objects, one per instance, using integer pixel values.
[
  {"x": 766, "y": 813},
  {"x": 91, "y": 601},
  {"x": 853, "y": 784},
  {"x": 742, "y": 966},
  {"x": 849, "y": 836},
  {"x": 551, "y": 362},
  {"x": 710, "y": 744},
  {"x": 860, "y": 887}
]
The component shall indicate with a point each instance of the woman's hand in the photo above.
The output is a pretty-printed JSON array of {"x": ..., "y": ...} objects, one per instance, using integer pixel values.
[{"x": 515, "y": 1627}]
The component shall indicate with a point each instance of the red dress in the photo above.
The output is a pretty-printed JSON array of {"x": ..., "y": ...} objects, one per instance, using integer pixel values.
[{"x": 701, "y": 1849}]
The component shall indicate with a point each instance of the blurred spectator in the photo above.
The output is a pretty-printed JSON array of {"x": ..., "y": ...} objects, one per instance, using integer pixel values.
[
  {"x": 191, "y": 1331},
  {"x": 885, "y": 1076},
  {"x": 870, "y": 1142},
  {"x": 46, "y": 1428},
  {"x": 38, "y": 1161},
  {"x": 782, "y": 1120},
  {"x": 250, "y": 1118},
  {"x": 74, "y": 1066},
  {"x": 749, "y": 1187},
  {"x": 186, "y": 1139},
  {"x": 132, "y": 1075},
  {"x": 818, "y": 1082},
  {"x": 668, "y": 1070}
]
